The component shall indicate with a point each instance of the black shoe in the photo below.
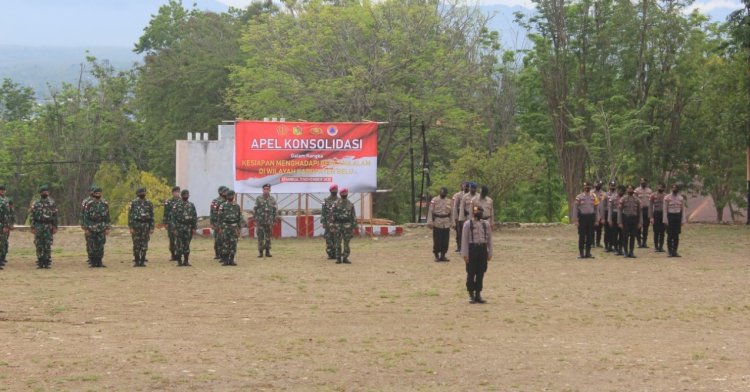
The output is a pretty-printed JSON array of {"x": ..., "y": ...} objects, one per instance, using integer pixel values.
[
  {"x": 478, "y": 299},
  {"x": 472, "y": 299},
  {"x": 338, "y": 260},
  {"x": 589, "y": 256},
  {"x": 630, "y": 255},
  {"x": 580, "y": 257},
  {"x": 268, "y": 253},
  {"x": 443, "y": 258},
  {"x": 675, "y": 254},
  {"x": 345, "y": 260},
  {"x": 217, "y": 258}
]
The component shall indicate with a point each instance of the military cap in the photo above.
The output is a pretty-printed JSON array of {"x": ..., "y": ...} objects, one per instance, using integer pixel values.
[
  {"x": 266, "y": 186},
  {"x": 140, "y": 190},
  {"x": 175, "y": 188},
  {"x": 2, "y": 187},
  {"x": 586, "y": 183},
  {"x": 612, "y": 183},
  {"x": 599, "y": 183},
  {"x": 97, "y": 189},
  {"x": 333, "y": 187},
  {"x": 473, "y": 185},
  {"x": 344, "y": 192},
  {"x": 230, "y": 193},
  {"x": 223, "y": 189},
  {"x": 43, "y": 188},
  {"x": 185, "y": 192},
  {"x": 91, "y": 188}
]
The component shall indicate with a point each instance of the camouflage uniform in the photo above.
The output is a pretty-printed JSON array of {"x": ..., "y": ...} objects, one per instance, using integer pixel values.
[
  {"x": 184, "y": 220},
  {"x": 342, "y": 220},
  {"x": 264, "y": 214},
  {"x": 84, "y": 203},
  {"x": 228, "y": 222},
  {"x": 97, "y": 223},
  {"x": 6, "y": 225},
  {"x": 43, "y": 213},
  {"x": 213, "y": 216},
  {"x": 167, "y": 222},
  {"x": 141, "y": 224},
  {"x": 328, "y": 204}
]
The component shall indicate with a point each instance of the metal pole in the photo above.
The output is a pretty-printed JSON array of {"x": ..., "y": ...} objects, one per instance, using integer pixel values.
[{"x": 411, "y": 157}]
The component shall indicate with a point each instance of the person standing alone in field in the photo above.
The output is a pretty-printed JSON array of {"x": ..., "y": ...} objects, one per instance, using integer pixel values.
[
  {"x": 43, "y": 216},
  {"x": 264, "y": 214},
  {"x": 476, "y": 250},
  {"x": 141, "y": 225},
  {"x": 440, "y": 220}
]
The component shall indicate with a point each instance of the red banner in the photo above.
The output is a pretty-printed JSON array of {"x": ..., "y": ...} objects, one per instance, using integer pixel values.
[{"x": 297, "y": 157}]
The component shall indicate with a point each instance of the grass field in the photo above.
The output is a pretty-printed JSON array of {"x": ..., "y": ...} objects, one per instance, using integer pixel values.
[{"x": 394, "y": 320}]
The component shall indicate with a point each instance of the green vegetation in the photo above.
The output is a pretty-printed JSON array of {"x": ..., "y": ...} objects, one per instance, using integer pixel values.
[{"x": 608, "y": 90}]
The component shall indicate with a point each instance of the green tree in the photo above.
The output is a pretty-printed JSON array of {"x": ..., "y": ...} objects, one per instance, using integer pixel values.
[{"x": 119, "y": 187}]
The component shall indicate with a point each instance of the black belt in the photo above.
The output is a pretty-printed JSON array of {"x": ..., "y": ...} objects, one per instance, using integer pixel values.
[{"x": 441, "y": 215}]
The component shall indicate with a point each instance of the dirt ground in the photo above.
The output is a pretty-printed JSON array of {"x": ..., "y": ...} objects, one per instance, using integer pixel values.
[{"x": 394, "y": 320}]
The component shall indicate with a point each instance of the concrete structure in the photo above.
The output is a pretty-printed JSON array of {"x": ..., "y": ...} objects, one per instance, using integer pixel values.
[{"x": 203, "y": 165}]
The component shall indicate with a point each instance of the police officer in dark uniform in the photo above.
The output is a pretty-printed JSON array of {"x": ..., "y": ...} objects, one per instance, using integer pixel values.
[
  {"x": 656, "y": 214},
  {"x": 476, "y": 249},
  {"x": 586, "y": 218},
  {"x": 632, "y": 219}
]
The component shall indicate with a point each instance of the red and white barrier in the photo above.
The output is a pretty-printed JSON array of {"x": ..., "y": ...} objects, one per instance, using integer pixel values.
[{"x": 309, "y": 226}]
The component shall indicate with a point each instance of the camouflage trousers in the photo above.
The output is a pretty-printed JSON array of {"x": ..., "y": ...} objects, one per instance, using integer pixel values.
[
  {"x": 95, "y": 241},
  {"x": 330, "y": 242},
  {"x": 141, "y": 236},
  {"x": 3, "y": 244},
  {"x": 183, "y": 235},
  {"x": 228, "y": 242},
  {"x": 43, "y": 242},
  {"x": 217, "y": 243},
  {"x": 342, "y": 235},
  {"x": 263, "y": 232},
  {"x": 172, "y": 239}
]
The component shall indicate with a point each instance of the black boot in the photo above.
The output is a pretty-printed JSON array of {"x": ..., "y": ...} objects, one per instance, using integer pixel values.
[
  {"x": 437, "y": 256},
  {"x": 338, "y": 260},
  {"x": 186, "y": 263},
  {"x": 260, "y": 253},
  {"x": 472, "y": 298},
  {"x": 478, "y": 298},
  {"x": 345, "y": 260},
  {"x": 268, "y": 253},
  {"x": 443, "y": 258},
  {"x": 174, "y": 257},
  {"x": 39, "y": 264},
  {"x": 231, "y": 260},
  {"x": 47, "y": 263},
  {"x": 100, "y": 263},
  {"x": 136, "y": 260}
]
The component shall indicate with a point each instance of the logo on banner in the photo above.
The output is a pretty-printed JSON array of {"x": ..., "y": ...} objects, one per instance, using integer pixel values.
[
  {"x": 282, "y": 130},
  {"x": 316, "y": 131},
  {"x": 297, "y": 131},
  {"x": 332, "y": 131}
]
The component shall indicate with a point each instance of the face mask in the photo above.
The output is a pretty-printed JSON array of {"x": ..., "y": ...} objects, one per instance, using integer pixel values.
[
  {"x": 44, "y": 195},
  {"x": 630, "y": 193},
  {"x": 478, "y": 215},
  {"x": 587, "y": 190},
  {"x": 141, "y": 197},
  {"x": 660, "y": 190},
  {"x": 97, "y": 197},
  {"x": 185, "y": 198},
  {"x": 674, "y": 192},
  {"x": 643, "y": 185}
]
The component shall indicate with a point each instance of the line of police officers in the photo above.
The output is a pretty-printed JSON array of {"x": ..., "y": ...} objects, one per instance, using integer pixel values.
[{"x": 624, "y": 214}]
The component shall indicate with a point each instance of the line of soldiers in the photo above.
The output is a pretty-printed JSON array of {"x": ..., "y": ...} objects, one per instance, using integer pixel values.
[{"x": 624, "y": 214}]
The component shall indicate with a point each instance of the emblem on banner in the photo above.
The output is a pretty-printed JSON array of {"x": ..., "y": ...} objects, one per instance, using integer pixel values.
[
  {"x": 332, "y": 131},
  {"x": 297, "y": 131},
  {"x": 282, "y": 130},
  {"x": 316, "y": 131}
]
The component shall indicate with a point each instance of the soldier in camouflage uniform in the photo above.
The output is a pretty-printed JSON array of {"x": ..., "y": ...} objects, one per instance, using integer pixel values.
[
  {"x": 84, "y": 203},
  {"x": 343, "y": 220},
  {"x": 141, "y": 224},
  {"x": 264, "y": 214},
  {"x": 184, "y": 222},
  {"x": 213, "y": 216},
  {"x": 328, "y": 204},
  {"x": 96, "y": 223},
  {"x": 167, "y": 222},
  {"x": 228, "y": 222},
  {"x": 6, "y": 224},
  {"x": 43, "y": 217}
]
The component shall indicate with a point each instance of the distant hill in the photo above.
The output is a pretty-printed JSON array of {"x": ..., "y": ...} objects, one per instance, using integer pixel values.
[{"x": 36, "y": 67}]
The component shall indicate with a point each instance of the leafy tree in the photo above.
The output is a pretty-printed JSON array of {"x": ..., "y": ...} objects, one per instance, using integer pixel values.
[
  {"x": 120, "y": 185},
  {"x": 16, "y": 102}
]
